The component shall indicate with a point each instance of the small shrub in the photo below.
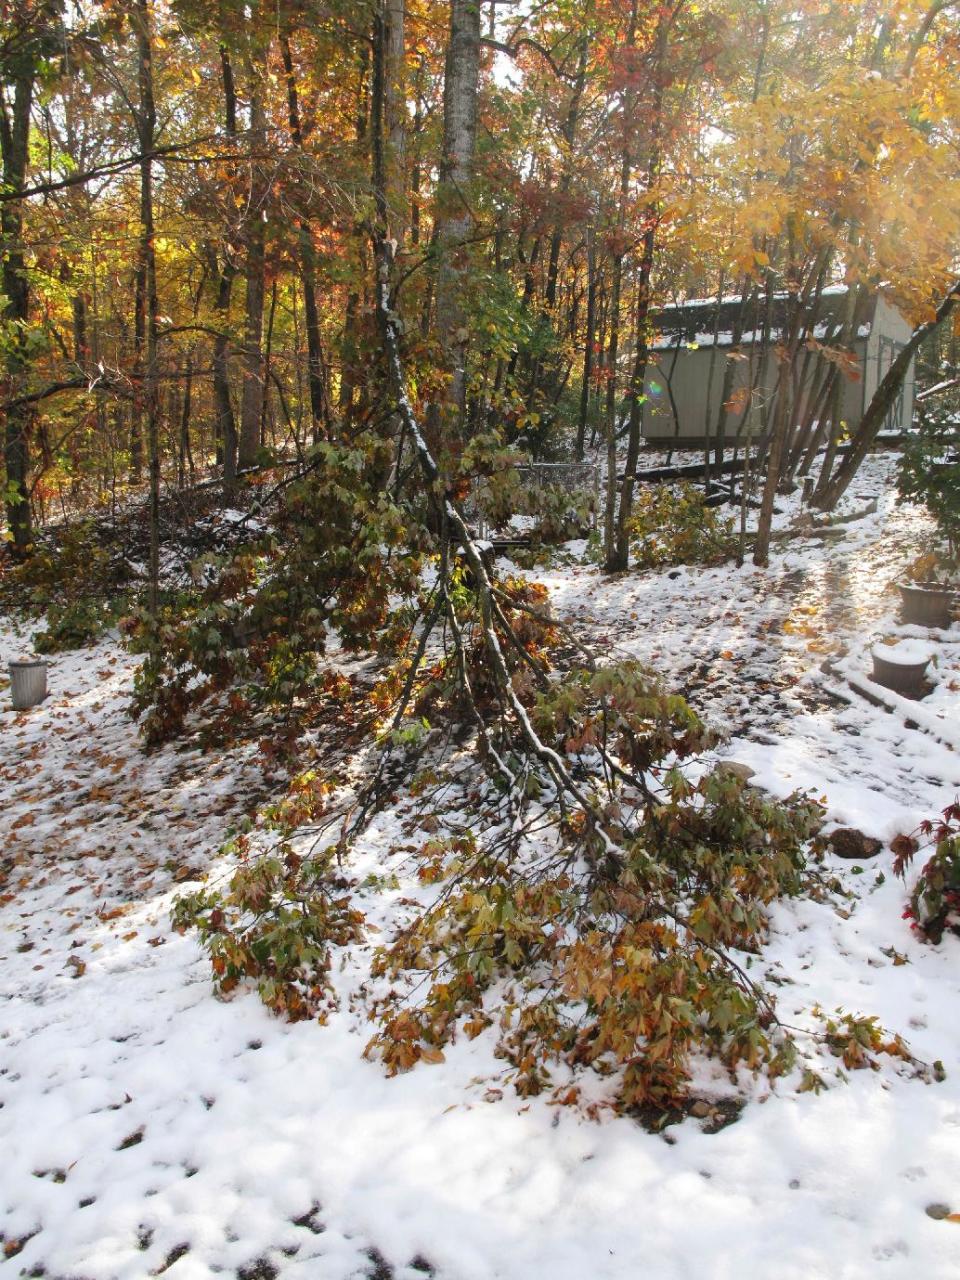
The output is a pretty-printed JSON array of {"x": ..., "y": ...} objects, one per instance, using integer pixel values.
[
  {"x": 273, "y": 926},
  {"x": 857, "y": 1041},
  {"x": 673, "y": 525},
  {"x": 558, "y": 513},
  {"x": 274, "y": 923},
  {"x": 75, "y": 625},
  {"x": 341, "y": 553},
  {"x": 70, "y": 567},
  {"x": 934, "y": 903},
  {"x": 929, "y": 473}
]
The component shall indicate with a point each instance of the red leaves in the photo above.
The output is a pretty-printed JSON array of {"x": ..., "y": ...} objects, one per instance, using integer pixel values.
[{"x": 904, "y": 847}]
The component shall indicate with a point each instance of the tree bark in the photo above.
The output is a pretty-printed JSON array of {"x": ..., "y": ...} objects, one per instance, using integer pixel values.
[
  {"x": 253, "y": 385},
  {"x": 883, "y": 398},
  {"x": 185, "y": 452},
  {"x": 139, "y": 343},
  {"x": 589, "y": 341},
  {"x": 618, "y": 560},
  {"x": 395, "y": 119},
  {"x": 316, "y": 364},
  {"x": 14, "y": 138},
  {"x": 618, "y": 556},
  {"x": 226, "y": 424},
  {"x": 146, "y": 128},
  {"x": 626, "y": 168},
  {"x": 453, "y": 218}
]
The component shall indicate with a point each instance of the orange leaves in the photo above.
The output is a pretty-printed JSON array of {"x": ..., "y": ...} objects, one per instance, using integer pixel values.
[
  {"x": 738, "y": 401},
  {"x": 399, "y": 1046},
  {"x": 846, "y": 361}
]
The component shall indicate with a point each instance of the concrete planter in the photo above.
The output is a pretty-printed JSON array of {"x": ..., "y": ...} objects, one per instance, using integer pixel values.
[
  {"x": 902, "y": 668},
  {"x": 926, "y": 604},
  {"x": 28, "y": 682}
]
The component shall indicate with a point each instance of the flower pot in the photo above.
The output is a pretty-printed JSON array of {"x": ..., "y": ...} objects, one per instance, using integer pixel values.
[
  {"x": 927, "y": 604},
  {"x": 28, "y": 682},
  {"x": 902, "y": 668}
]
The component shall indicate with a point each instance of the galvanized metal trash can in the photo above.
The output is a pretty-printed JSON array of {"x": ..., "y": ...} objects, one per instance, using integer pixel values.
[{"x": 28, "y": 682}]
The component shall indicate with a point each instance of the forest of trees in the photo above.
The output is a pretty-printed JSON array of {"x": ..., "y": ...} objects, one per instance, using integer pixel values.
[
  {"x": 332, "y": 270},
  {"x": 195, "y": 197}
]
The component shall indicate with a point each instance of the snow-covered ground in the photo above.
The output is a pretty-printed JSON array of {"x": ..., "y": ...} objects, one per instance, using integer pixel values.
[{"x": 148, "y": 1128}]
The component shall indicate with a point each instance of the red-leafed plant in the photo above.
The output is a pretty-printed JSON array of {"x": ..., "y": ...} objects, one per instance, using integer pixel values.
[{"x": 935, "y": 900}]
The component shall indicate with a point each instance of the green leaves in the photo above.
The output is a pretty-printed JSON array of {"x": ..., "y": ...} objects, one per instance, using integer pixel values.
[
  {"x": 619, "y": 964},
  {"x": 341, "y": 553},
  {"x": 273, "y": 925},
  {"x": 673, "y": 525}
]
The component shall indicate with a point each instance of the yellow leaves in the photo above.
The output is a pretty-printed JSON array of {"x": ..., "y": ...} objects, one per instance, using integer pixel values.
[
  {"x": 791, "y": 628},
  {"x": 801, "y": 622}
]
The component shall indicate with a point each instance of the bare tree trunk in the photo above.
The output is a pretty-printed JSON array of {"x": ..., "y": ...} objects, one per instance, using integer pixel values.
[
  {"x": 761, "y": 551},
  {"x": 416, "y": 168},
  {"x": 569, "y": 136},
  {"x": 268, "y": 372},
  {"x": 253, "y": 386},
  {"x": 14, "y": 137},
  {"x": 316, "y": 365},
  {"x": 589, "y": 341},
  {"x": 618, "y": 555},
  {"x": 226, "y": 425},
  {"x": 349, "y": 348},
  {"x": 833, "y": 406},
  {"x": 613, "y": 351},
  {"x": 778, "y": 437},
  {"x": 185, "y": 450},
  {"x": 453, "y": 217},
  {"x": 711, "y": 370},
  {"x": 626, "y": 167},
  {"x": 139, "y": 343},
  {"x": 883, "y": 398},
  {"x": 146, "y": 129},
  {"x": 395, "y": 119}
]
